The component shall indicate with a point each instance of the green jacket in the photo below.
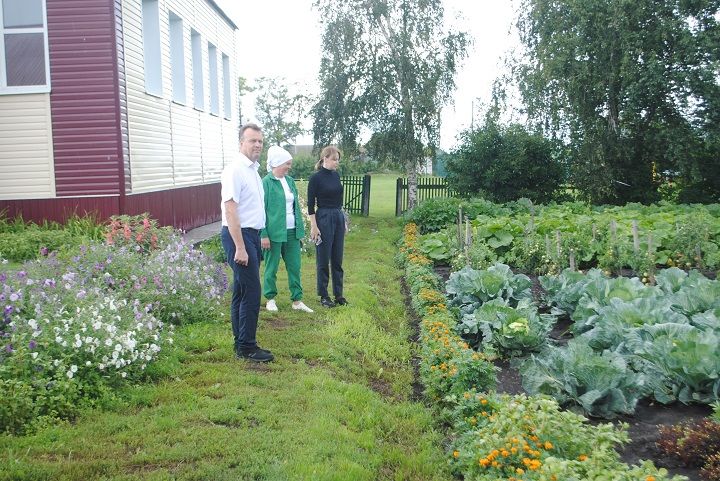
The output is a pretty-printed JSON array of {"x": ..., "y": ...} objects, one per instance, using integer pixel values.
[{"x": 275, "y": 223}]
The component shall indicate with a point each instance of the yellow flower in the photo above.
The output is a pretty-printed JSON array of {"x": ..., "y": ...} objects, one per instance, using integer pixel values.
[
  {"x": 520, "y": 470},
  {"x": 548, "y": 445},
  {"x": 456, "y": 454},
  {"x": 582, "y": 457},
  {"x": 650, "y": 478}
]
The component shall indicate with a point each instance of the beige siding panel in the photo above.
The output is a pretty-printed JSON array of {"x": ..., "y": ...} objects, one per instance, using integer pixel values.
[
  {"x": 170, "y": 144},
  {"x": 26, "y": 152},
  {"x": 187, "y": 154},
  {"x": 231, "y": 143},
  {"x": 212, "y": 149}
]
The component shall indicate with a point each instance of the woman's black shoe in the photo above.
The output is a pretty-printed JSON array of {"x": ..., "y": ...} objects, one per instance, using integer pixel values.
[
  {"x": 341, "y": 301},
  {"x": 327, "y": 302}
]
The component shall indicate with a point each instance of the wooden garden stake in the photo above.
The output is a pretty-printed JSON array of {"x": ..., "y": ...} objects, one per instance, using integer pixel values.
[
  {"x": 548, "y": 252},
  {"x": 459, "y": 228},
  {"x": 558, "y": 244},
  {"x": 636, "y": 236},
  {"x": 698, "y": 256}
]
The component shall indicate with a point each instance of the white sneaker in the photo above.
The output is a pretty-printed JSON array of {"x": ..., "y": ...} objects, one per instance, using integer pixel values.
[
  {"x": 271, "y": 306},
  {"x": 300, "y": 306}
]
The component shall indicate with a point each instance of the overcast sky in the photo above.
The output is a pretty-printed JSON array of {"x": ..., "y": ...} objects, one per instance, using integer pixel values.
[{"x": 284, "y": 36}]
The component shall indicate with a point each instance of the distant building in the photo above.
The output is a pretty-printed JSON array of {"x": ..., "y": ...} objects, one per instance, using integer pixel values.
[{"x": 116, "y": 107}]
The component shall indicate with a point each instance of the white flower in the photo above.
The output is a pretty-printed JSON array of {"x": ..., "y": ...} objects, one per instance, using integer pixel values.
[
  {"x": 88, "y": 363},
  {"x": 123, "y": 374},
  {"x": 34, "y": 355},
  {"x": 108, "y": 342},
  {"x": 33, "y": 324},
  {"x": 56, "y": 362},
  {"x": 69, "y": 374},
  {"x": 73, "y": 368}
]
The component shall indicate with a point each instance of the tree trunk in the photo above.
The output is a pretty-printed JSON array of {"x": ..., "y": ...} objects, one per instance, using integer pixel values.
[{"x": 411, "y": 166}]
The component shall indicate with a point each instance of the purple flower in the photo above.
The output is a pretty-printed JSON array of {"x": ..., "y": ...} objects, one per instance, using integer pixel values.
[
  {"x": 43, "y": 251},
  {"x": 9, "y": 348},
  {"x": 32, "y": 344}
]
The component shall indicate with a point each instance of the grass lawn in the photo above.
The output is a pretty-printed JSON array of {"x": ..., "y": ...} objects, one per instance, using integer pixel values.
[{"x": 335, "y": 405}]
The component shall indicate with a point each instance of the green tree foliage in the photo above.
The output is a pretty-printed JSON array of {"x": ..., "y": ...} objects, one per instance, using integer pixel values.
[
  {"x": 243, "y": 88},
  {"x": 504, "y": 164},
  {"x": 631, "y": 87},
  {"x": 279, "y": 111},
  {"x": 387, "y": 66}
]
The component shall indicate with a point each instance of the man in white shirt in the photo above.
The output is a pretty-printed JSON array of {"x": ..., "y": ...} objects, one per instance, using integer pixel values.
[{"x": 243, "y": 216}]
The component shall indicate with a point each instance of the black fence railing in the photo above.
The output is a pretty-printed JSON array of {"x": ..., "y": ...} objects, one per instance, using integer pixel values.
[
  {"x": 356, "y": 197},
  {"x": 427, "y": 188}
]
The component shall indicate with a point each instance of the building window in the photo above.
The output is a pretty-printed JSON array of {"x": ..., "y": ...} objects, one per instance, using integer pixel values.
[
  {"x": 151, "y": 47},
  {"x": 177, "y": 58},
  {"x": 213, "y": 71},
  {"x": 227, "y": 96},
  {"x": 197, "y": 70},
  {"x": 23, "y": 47}
]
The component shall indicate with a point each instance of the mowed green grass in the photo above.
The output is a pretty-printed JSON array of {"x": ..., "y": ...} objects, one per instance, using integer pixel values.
[{"x": 335, "y": 405}]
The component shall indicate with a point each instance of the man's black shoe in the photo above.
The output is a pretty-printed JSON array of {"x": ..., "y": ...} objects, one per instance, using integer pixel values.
[
  {"x": 327, "y": 302},
  {"x": 256, "y": 355},
  {"x": 341, "y": 301}
]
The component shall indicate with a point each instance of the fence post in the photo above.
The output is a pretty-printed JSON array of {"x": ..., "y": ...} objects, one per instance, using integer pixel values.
[
  {"x": 366, "y": 195},
  {"x": 398, "y": 196}
]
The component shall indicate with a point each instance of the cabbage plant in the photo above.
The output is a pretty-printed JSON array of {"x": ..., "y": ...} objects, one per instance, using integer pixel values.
[{"x": 601, "y": 384}]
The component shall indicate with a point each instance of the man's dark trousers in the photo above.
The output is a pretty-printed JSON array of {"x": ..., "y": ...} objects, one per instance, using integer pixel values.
[{"x": 245, "y": 304}]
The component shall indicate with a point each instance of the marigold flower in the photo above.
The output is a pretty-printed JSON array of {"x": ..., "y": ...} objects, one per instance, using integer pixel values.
[
  {"x": 650, "y": 478},
  {"x": 520, "y": 470},
  {"x": 456, "y": 454},
  {"x": 548, "y": 445},
  {"x": 582, "y": 457}
]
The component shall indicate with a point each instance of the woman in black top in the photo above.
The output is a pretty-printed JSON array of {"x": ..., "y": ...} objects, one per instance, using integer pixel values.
[{"x": 327, "y": 225}]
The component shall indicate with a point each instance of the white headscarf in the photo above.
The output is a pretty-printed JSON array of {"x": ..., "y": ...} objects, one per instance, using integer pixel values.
[{"x": 277, "y": 156}]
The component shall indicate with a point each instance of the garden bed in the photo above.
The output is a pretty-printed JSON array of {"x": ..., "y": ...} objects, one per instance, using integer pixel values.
[{"x": 643, "y": 425}]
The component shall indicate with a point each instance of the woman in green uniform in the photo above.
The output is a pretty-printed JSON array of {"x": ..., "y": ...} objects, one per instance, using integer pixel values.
[{"x": 284, "y": 229}]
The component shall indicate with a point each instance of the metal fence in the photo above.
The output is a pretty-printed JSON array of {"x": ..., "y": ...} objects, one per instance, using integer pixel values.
[{"x": 427, "y": 188}]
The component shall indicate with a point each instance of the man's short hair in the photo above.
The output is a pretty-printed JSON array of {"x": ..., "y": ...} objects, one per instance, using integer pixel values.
[{"x": 250, "y": 126}]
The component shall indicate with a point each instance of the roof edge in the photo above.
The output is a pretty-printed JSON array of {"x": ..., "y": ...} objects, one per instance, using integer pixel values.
[{"x": 222, "y": 13}]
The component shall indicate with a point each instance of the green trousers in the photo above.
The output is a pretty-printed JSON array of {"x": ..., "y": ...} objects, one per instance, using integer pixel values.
[{"x": 289, "y": 252}]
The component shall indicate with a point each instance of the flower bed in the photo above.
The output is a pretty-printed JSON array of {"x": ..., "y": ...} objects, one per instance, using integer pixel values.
[{"x": 77, "y": 326}]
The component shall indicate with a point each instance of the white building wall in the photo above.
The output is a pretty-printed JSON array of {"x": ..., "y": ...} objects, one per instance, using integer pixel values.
[
  {"x": 173, "y": 145},
  {"x": 26, "y": 149}
]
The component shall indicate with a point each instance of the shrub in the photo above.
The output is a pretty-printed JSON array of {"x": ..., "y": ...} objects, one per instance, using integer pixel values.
[{"x": 504, "y": 164}]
